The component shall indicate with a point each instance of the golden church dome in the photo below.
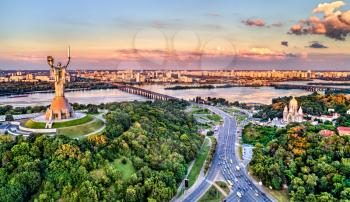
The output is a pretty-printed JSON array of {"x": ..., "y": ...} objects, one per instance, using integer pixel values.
[{"x": 293, "y": 103}]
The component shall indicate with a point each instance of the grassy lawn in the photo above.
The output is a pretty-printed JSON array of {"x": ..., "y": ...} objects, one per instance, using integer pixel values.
[
  {"x": 126, "y": 169},
  {"x": 258, "y": 134},
  {"x": 79, "y": 130},
  {"x": 201, "y": 111},
  {"x": 281, "y": 196},
  {"x": 240, "y": 149},
  {"x": 83, "y": 120},
  {"x": 32, "y": 124},
  {"x": 199, "y": 162},
  {"x": 193, "y": 107},
  {"x": 204, "y": 126},
  {"x": 214, "y": 117},
  {"x": 213, "y": 194},
  {"x": 231, "y": 110},
  {"x": 241, "y": 118}
]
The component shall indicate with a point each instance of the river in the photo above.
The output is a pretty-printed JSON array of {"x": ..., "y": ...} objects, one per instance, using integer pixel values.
[
  {"x": 262, "y": 95},
  {"x": 243, "y": 94},
  {"x": 81, "y": 97}
]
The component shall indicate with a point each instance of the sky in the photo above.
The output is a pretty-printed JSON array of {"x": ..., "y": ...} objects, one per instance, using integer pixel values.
[{"x": 182, "y": 34}]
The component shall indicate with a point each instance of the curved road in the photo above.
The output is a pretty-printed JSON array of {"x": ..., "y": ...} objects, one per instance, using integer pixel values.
[{"x": 226, "y": 159}]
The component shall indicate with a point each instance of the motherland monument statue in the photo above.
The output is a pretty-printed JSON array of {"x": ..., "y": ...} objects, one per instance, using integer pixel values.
[{"x": 60, "y": 107}]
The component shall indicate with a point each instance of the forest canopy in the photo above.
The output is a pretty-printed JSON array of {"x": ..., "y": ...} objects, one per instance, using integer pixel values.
[
  {"x": 314, "y": 167},
  {"x": 142, "y": 156}
]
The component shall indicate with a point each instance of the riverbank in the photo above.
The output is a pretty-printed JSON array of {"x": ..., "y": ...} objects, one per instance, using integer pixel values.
[
  {"x": 26, "y": 88},
  {"x": 328, "y": 84},
  {"x": 185, "y": 87}
]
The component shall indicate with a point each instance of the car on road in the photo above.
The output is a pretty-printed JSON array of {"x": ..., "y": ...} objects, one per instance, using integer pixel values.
[
  {"x": 229, "y": 183},
  {"x": 256, "y": 193}
]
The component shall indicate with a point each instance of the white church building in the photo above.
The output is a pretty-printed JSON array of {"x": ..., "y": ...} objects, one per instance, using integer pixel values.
[{"x": 293, "y": 112}]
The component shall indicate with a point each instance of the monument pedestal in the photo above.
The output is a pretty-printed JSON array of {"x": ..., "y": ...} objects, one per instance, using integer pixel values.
[{"x": 59, "y": 109}]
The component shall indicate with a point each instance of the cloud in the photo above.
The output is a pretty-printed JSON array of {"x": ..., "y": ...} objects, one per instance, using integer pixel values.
[
  {"x": 254, "y": 22},
  {"x": 345, "y": 17},
  {"x": 284, "y": 43},
  {"x": 334, "y": 23},
  {"x": 213, "y": 14},
  {"x": 159, "y": 24},
  {"x": 28, "y": 57},
  {"x": 265, "y": 54},
  {"x": 316, "y": 44},
  {"x": 156, "y": 56},
  {"x": 261, "y": 23},
  {"x": 328, "y": 8},
  {"x": 211, "y": 26},
  {"x": 277, "y": 24}
]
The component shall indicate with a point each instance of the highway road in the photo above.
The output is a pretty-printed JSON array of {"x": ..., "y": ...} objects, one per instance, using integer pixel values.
[
  {"x": 212, "y": 172},
  {"x": 232, "y": 168},
  {"x": 227, "y": 160}
]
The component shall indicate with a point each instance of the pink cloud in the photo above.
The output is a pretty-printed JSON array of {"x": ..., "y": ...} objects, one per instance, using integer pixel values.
[
  {"x": 334, "y": 23},
  {"x": 30, "y": 58},
  {"x": 277, "y": 24},
  {"x": 214, "y": 14},
  {"x": 254, "y": 22},
  {"x": 265, "y": 54}
]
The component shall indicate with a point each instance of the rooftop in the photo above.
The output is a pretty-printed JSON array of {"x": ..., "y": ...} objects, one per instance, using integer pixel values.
[
  {"x": 344, "y": 129},
  {"x": 326, "y": 133}
]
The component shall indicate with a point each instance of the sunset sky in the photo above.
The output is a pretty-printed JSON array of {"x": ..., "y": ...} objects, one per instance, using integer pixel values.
[{"x": 183, "y": 34}]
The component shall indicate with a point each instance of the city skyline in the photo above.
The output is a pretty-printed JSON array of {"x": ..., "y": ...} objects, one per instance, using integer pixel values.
[{"x": 198, "y": 35}]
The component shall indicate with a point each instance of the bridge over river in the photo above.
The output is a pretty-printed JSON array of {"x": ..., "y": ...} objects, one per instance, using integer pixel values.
[{"x": 143, "y": 92}]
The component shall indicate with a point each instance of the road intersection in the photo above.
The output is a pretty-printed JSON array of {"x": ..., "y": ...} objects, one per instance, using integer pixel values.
[{"x": 227, "y": 161}]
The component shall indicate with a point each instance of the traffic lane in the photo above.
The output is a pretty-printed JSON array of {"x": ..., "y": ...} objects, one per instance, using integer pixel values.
[
  {"x": 198, "y": 192},
  {"x": 251, "y": 186},
  {"x": 230, "y": 150},
  {"x": 245, "y": 183},
  {"x": 245, "y": 188},
  {"x": 247, "y": 194}
]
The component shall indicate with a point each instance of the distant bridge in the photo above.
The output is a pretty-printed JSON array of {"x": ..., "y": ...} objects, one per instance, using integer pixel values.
[
  {"x": 143, "y": 92},
  {"x": 307, "y": 87}
]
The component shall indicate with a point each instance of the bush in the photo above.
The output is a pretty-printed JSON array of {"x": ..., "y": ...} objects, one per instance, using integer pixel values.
[
  {"x": 210, "y": 133},
  {"x": 9, "y": 118},
  {"x": 92, "y": 109}
]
